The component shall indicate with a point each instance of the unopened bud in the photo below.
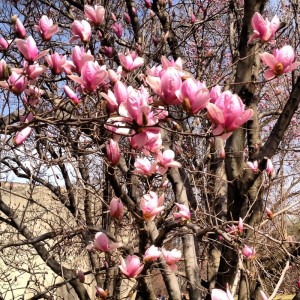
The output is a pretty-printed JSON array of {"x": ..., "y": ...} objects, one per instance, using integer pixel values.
[{"x": 269, "y": 213}]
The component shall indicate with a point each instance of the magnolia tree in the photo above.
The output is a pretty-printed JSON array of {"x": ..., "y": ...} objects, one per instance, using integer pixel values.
[{"x": 155, "y": 126}]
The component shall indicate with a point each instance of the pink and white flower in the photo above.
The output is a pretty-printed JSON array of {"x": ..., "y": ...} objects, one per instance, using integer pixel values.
[
  {"x": 131, "y": 266},
  {"x": 172, "y": 257},
  {"x": 152, "y": 205},
  {"x": 263, "y": 29},
  {"x": 46, "y": 28},
  {"x": 281, "y": 62},
  {"x": 95, "y": 14},
  {"x": 151, "y": 254}
]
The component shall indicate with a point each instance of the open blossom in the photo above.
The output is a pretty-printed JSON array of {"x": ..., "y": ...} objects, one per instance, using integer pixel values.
[
  {"x": 92, "y": 75},
  {"x": 116, "y": 208},
  {"x": 166, "y": 84},
  {"x": 130, "y": 61},
  {"x": 117, "y": 28},
  {"x": 22, "y": 135},
  {"x": 131, "y": 266},
  {"x": 113, "y": 152},
  {"x": 227, "y": 113},
  {"x": 33, "y": 71},
  {"x": 148, "y": 140},
  {"x": 166, "y": 160},
  {"x": 81, "y": 30},
  {"x": 95, "y": 14},
  {"x": 214, "y": 93},
  {"x": 46, "y": 28},
  {"x": 218, "y": 294},
  {"x": 183, "y": 212},
  {"x": 136, "y": 108},
  {"x": 144, "y": 167},
  {"x": 118, "y": 96},
  {"x": 152, "y": 205},
  {"x": 263, "y": 29},
  {"x": 17, "y": 83},
  {"x": 171, "y": 257},
  {"x": 152, "y": 254},
  {"x": 80, "y": 57},
  {"x": 29, "y": 49},
  {"x": 193, "y": 95},
  {"x": 56, "y": 62},
  {"x": 248, "y": 252},
  {"x": 282, "y": 61},
  {"x": 102, "y": 243}
]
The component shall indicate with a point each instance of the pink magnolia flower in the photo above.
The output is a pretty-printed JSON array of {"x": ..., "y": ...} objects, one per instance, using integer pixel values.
[
  {"x": 102, "y": 243},
  {"x": 270, "y": 167},
  {"x": 71, "y": 95},
  {"x": 280, "y": 62},
  {"x": 80, "y": 275},
  {"x": 80, "y": 57},
  {"x": 144, "y": 167},
  {"x": 166, "y": 160},
  {"x": 131, "y": 266},
  {"x": 248, "y": 252},
  {"x": 46, "y": 28},
  {"x": 96, "y": 14},
  {"x": 166, "y": 84},
  {"x": 56, "y": 62},
  {"x": 3, "y": 44},
  {"x": 227, "y": 113},
  {"x": 263, "y": 295},
  {"x": 253, "y": 166},
  {"x": 151, "y": 254},
  {"x": 130, "y": 61},
  {"x": 263, "y": 29},
  {"x": 171, "y": 257},
  {"x": 218, "y": 294},
  {"x": 136, "y": 108},
  {"x": 81, "y": 30},
  {"x": 151, "y": 205},
  {"x": 148, "y": 140},
  {"x": 17, "y": 83},
  {"x": 29, "y": 49},
  {"x": 116, "y": 208},
  {"x": 113, "y": 152},
  {"x": 117, "y": 28},
  {"x": 33, "y": 71},
  {"x": 194, "y": 95},
  {"x": 117, "y": 97},
  {"x": 101, "y": 293},
  {"x": 22, "y": 135},
  {"x": 92, "y": 75},
  {"x": 183, "y": 212},
  {"x": 19, "y": 27}
]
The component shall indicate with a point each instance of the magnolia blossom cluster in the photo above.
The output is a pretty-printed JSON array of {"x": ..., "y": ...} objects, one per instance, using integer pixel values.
[{"x": 282, "y": 60}]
